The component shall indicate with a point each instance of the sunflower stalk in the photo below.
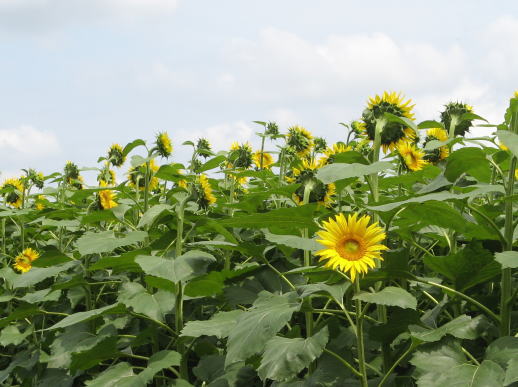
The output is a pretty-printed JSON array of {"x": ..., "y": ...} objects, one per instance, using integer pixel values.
[
  {"x": 506, "y": 282},
  {"x": 179, "y": 289},
  {"x": 453, "y": 123},
  {"x": 147, "y": 179},
  {"x": 359, "y": 335}
]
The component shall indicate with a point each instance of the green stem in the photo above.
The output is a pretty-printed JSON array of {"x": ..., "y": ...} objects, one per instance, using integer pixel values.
[
  {"x": 179, "y": 290},
  {"x": 147, "y": 178},
  {"x": 453, "y": 123},
  {"x": 3, "y": 237},
  {"x": 359, "y": 336},
  {"x": 413, "y": 345},
  {"x": 261, "y": 154},
  {"x": 343, "y": 361},
  {"x": 506, "y": 283}
]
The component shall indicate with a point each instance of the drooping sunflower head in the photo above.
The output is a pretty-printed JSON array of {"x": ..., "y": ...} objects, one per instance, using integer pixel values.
[
  {"x": 457, "y": 109},
  {"x": 320, "y": 144},
  {"x": 106, "y": 174},
  {"x": 203, "y": 192},
  {"x": 106, "y": 197},
  {"x": 437, "y": 154},
  {"x": 240, "y": 156},
  {"x": 272, "y": 129},
  {"x": 23, "y": 261},
  {"x": 357, "y": 127},
  {"x": 329, "y": 153},
  {"x": 116, "y": 155},
  {"x": 262, "y": 160},
  {"x": 163, "y": 144},
  {"x": 13, "y": 192},
  {"x": 137, "y": 176},
  {"x": 411, "y": 157},
  {"x": 36, "y": 178},
  {"x": 305, "y": 175},
  {"x": 71, "y": 172},
  {"x": 203, "y": 148},
  {"x": 393, "y": 132},
  {"x": 300, "y": 140},
  {"x": 351, "y": 244}
]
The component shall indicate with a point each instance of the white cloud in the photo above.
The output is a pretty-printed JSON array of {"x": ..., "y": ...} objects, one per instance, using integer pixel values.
[
  {"x": 501, "y": 57},
  {"x": 27, "y": 142}
]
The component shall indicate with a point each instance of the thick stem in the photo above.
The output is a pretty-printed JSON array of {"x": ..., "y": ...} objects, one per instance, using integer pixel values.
[
  {"x": 3, "y": 237},
  {"x": 359, "y": 336},
  {"x": 147, "y": 179},
  {"x": 506, "y": 284},
  {"x": 179, "y": 291},
  {"x": 261, "y": 154},
  {"x": 453, "y": 123},
  {"x": 307, "y": 262}
]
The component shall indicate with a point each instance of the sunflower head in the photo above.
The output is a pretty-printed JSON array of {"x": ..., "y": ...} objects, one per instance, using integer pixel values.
[
  {"x": 106, "y": 197},
  {"x": 305, "y": 175},
  {"x": 137, "y": 176},
  {"x": 437, "y": 154},
  {"x": 36, "y": 178},
  {"x": 350, "y": 244},
  {"x": 71, "y": 172},
  {"x": 23, "y": 261},
  {"x": 203, "y": 148},
  {"x": 116, "y": 155},
  {"x": 411, "y": 156},
  {"x": 240, "y": 156},
  {"x": 163, "y": 144},
  {"x": 265, "y": 163},
  {"x": 329, "y": 153},
  {"x": 272, "y": 129},
  {"x": 13, "y": 192},
  {"x": 357, "y": 127},
  {"x": 320, "y": 144},
  {"x": 393, "y": 132},
  {"x": 203, "y": 192},
  {"x": 300, "y": 140},
  {"x": 457, "y": 109},
  {"x": 107, "y": 175},
  {"x": 40, "y": 202}
]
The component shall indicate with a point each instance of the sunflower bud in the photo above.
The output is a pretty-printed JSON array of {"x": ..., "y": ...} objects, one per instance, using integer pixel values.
[
  {"x": 203, "y": 148},
  {"x": 457, "y": 109},
  {"x": 272, "y": 129},
  {"x": 320, "y": 144},
  {"x": 116, "y": 155},
  {"x": 240, "y": 156},
  {"x": 163, "y": 144},
  {"x": 299, "y": 140}
]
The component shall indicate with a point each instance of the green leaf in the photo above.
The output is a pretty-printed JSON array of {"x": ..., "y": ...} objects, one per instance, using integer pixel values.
[
  {"x": 390, "y": 296},
  {"x": 260, "y": 323},
  {"x": 105, "y": 241},
  {"x": 462, "y": 327},
  {"x": 284, "y": 358},
  {"x": 38, "y": 274},
  {"x": 156, "y": 306},
  {"x": 502, "y": 350},
  {"x": 430, "y": 124},
  {"x": 132, "y": 145},
  {"x": 511, "y": 374},
  {"x": 471, "y": 116},
  {"x": 488, "y": 374},
  {"x": 151, "y": 215},
  {"x": 336, "y": 291},
  {"x": 158, "y": 362},
  {"x": 509, "y": 139},
  {"x": 51, "y": 256},
  {"x": 85, "y": 316},
  {"x": 111, "y": 376},
  {"x": 338, "y": 171},
  {"x": 11, "y": 335},
  {"x": 470, "y": 160},
  {"x": 468, "y": 267},
  {"x": 508, "y": 259},
  {"x": 183, "y": 268},
  {"x": 293, "y": 241},
  {"x": 211, "y": 164},
  {"x": 220, "y": 325},
  {"x": 23, "y": 311},
  {"x": 401, "y": 120},
  {"x": 105, "y": 349},
  {"x": 123, "y": 263}
]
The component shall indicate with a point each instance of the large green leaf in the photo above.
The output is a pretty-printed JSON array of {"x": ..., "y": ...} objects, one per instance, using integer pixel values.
[
  {"x": 38, "y": 274},
  {"x": 51, "y": 256},
  {"x": 470, "y": 160},
  {"x": 11, "y": 335},
  {"x": 467, "y": 268},
  {"x": 284, "y": 358},
  {"x": 112, "y": 376},
  {"x": 462, "y": 327},
  {"x": 293, "y": 241},
  {"x": 85, "y": 316},
  {"x": 502, "y": 350},
  {"x": 260, "y": 323},
  {"x": 183, "y": 268},
  {"x": 158, "y": 362},
  {"x": 511, "y": 375},
  {"x": 487, "y": 374},
  {"x": 105, "y": 241},
  {"x": 338, "y": 171},
  {"x": 152, "y": 214},
  {"x": 390, "y": 296},
  {"x": 508, "y": 259},
  {"x": 509, "y": 139},
  {"x": 103, "y": 350},
  {"x": 156, "y": 306},
  {"x": 220, "y": 325}
]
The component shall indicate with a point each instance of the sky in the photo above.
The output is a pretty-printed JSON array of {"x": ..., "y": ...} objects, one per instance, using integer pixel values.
[{"x": 79, "y": 75}]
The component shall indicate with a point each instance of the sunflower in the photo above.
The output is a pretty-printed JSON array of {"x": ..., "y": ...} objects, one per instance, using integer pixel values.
[
  {"x": 515, "y": 95},
  {"x": 204, "y": 192},
  {"x": 13, "y": 196},
  {"x": 329, "y": 153},
  {"x": 240, "y": 155},
  {"x": 163, "y": 144},
  {"x": 350, "y": 244},
  {"x": 412, "y": 156},
  {"x": 440, "y": 153},
  {"x": 107, "y": 175},
  {"x": 305, "y": 174},
  {"x": 267, "y": 159},
  {"x": 457, "y": 109},
  {"x": 203, "y": 148},
  {"x": 39, "y": 203},
  {"x": 300, "y": 139},
  {"x": 320, "y": 144},
  {"x": 116, "y": 155},
  {"x": 36, "y": 178},
  {"x": 23, "y": 262},
  {"x": 393, "y": 132},
  {"x": 136, "y": 176},
  {"x": 106, "y": 197}
]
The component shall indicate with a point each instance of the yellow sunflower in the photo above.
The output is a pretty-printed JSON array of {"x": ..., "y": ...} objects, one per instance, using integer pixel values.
[
  {"x": 300, "y": 140},
  {"x": 329, "y": 153},
  {"x": 13, "y": 196},
  {"x": 163, "y": 144},
  {"x": 136, "y": 176},
  {"x": 305, "y": 174},
  {"x": 413, "y": 157},
  {"x": 440, "y": 153},
  {"x": 40, "y": 202},
  {"x": 116, "y": 155},
  {"x": 515, "y": 95},
  {"x": 351, "y": 245},
  {"x": 240, "y": 156},
  {"x": 267, "y": 159},
  {"x": 205, "y": 195},
  {"x": 107, "y": 197},
  {"x": 23, "y": 262},
  {"x": 393, "y": 132}
]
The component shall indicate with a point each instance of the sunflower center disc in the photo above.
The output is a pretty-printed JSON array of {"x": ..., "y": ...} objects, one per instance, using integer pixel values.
[{"x": 351, "y": 246}]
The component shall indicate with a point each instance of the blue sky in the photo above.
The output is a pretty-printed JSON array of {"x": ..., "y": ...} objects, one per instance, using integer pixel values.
[{"x": 78, "y": 75}]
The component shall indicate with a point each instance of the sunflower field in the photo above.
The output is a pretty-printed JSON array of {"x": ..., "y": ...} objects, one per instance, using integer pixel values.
[{"x": 386, "y": 259}]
